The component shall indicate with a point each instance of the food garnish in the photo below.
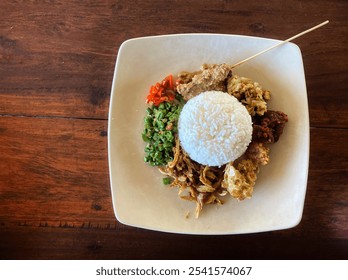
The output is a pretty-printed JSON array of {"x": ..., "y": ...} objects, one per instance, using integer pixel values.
[
  {"x": 162, "y": 91},
  {"x": 160, "y": 128}
]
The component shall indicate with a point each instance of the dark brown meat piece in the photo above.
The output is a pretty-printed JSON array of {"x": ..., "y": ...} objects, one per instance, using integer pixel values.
[{"x": 269, "y": 127}]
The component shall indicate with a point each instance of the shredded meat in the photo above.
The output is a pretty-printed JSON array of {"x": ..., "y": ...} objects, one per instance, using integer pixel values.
[
  {"x": 211, "y": 77},
  {"x": 196, "y": 182},
  {"x": 205, "y": 184},
  {"x": 269, "y": 127}
]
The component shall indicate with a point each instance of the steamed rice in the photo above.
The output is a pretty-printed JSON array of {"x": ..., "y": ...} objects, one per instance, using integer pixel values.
[{"x": 214, "y": 128}]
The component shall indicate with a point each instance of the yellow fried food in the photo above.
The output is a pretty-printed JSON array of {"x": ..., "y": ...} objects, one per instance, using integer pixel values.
[
  {"x": 249, "y": 93},
  {"x": 239, "y": 181},
  {"x": 258, "y": 153}
]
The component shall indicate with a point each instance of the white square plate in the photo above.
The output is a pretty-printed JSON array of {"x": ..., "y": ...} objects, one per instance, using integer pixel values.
[{"x": 139, "y": 197}]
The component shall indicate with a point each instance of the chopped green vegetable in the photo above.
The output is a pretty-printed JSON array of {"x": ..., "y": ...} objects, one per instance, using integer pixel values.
[
  {"x": 167, "y": 181},
  {"x": 160, "y": 127}
]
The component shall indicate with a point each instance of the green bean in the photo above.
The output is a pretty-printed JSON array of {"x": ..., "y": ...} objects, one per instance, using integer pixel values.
[
  {"x": 161, "y": 147},
  {"x": 167, "y": 145},
  {"x": 145, "y": 138},
  {"x": 160, "y": 127},
  {"x": 167, "y": 181}
]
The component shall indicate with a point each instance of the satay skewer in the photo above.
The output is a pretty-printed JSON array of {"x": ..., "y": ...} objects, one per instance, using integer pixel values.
[{"x": 280, "y": 43}]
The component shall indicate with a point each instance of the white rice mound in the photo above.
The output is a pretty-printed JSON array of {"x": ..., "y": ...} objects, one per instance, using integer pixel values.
[{"x": 214, "y": 128}]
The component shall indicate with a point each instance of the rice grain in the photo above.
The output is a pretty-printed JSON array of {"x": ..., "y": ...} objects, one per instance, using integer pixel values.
[{"x": 214, "y": 128}]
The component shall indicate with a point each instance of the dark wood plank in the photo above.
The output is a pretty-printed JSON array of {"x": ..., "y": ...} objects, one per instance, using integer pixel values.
[
  {"x": 75, "y": 243},
  {"x": 54, "y": 171}
]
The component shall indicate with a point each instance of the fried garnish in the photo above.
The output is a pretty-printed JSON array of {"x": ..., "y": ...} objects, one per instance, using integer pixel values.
[
  {"x": 205, "y": 184},
  {"x": 249, "y": 93},
  {"x": 240, "y": 181},
  {"x": 258, "y": 153},
  {"x": 209, "y": 177},
  {"x": 205, "y": 198},
  {"x": 199, "y": 204},
  {"x": 176, "y": 151},
  {"x": 196, "y": 182}
]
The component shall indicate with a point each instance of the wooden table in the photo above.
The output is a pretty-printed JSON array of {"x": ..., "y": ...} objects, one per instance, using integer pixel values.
[{"x": 56, "y": 67}]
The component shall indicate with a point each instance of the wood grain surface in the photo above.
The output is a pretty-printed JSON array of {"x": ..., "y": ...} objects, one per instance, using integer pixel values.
[{"x": 56, "y": 67}]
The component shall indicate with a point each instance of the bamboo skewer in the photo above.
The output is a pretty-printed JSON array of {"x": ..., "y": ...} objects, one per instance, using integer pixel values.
[{"x": 281, "y": 43}]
